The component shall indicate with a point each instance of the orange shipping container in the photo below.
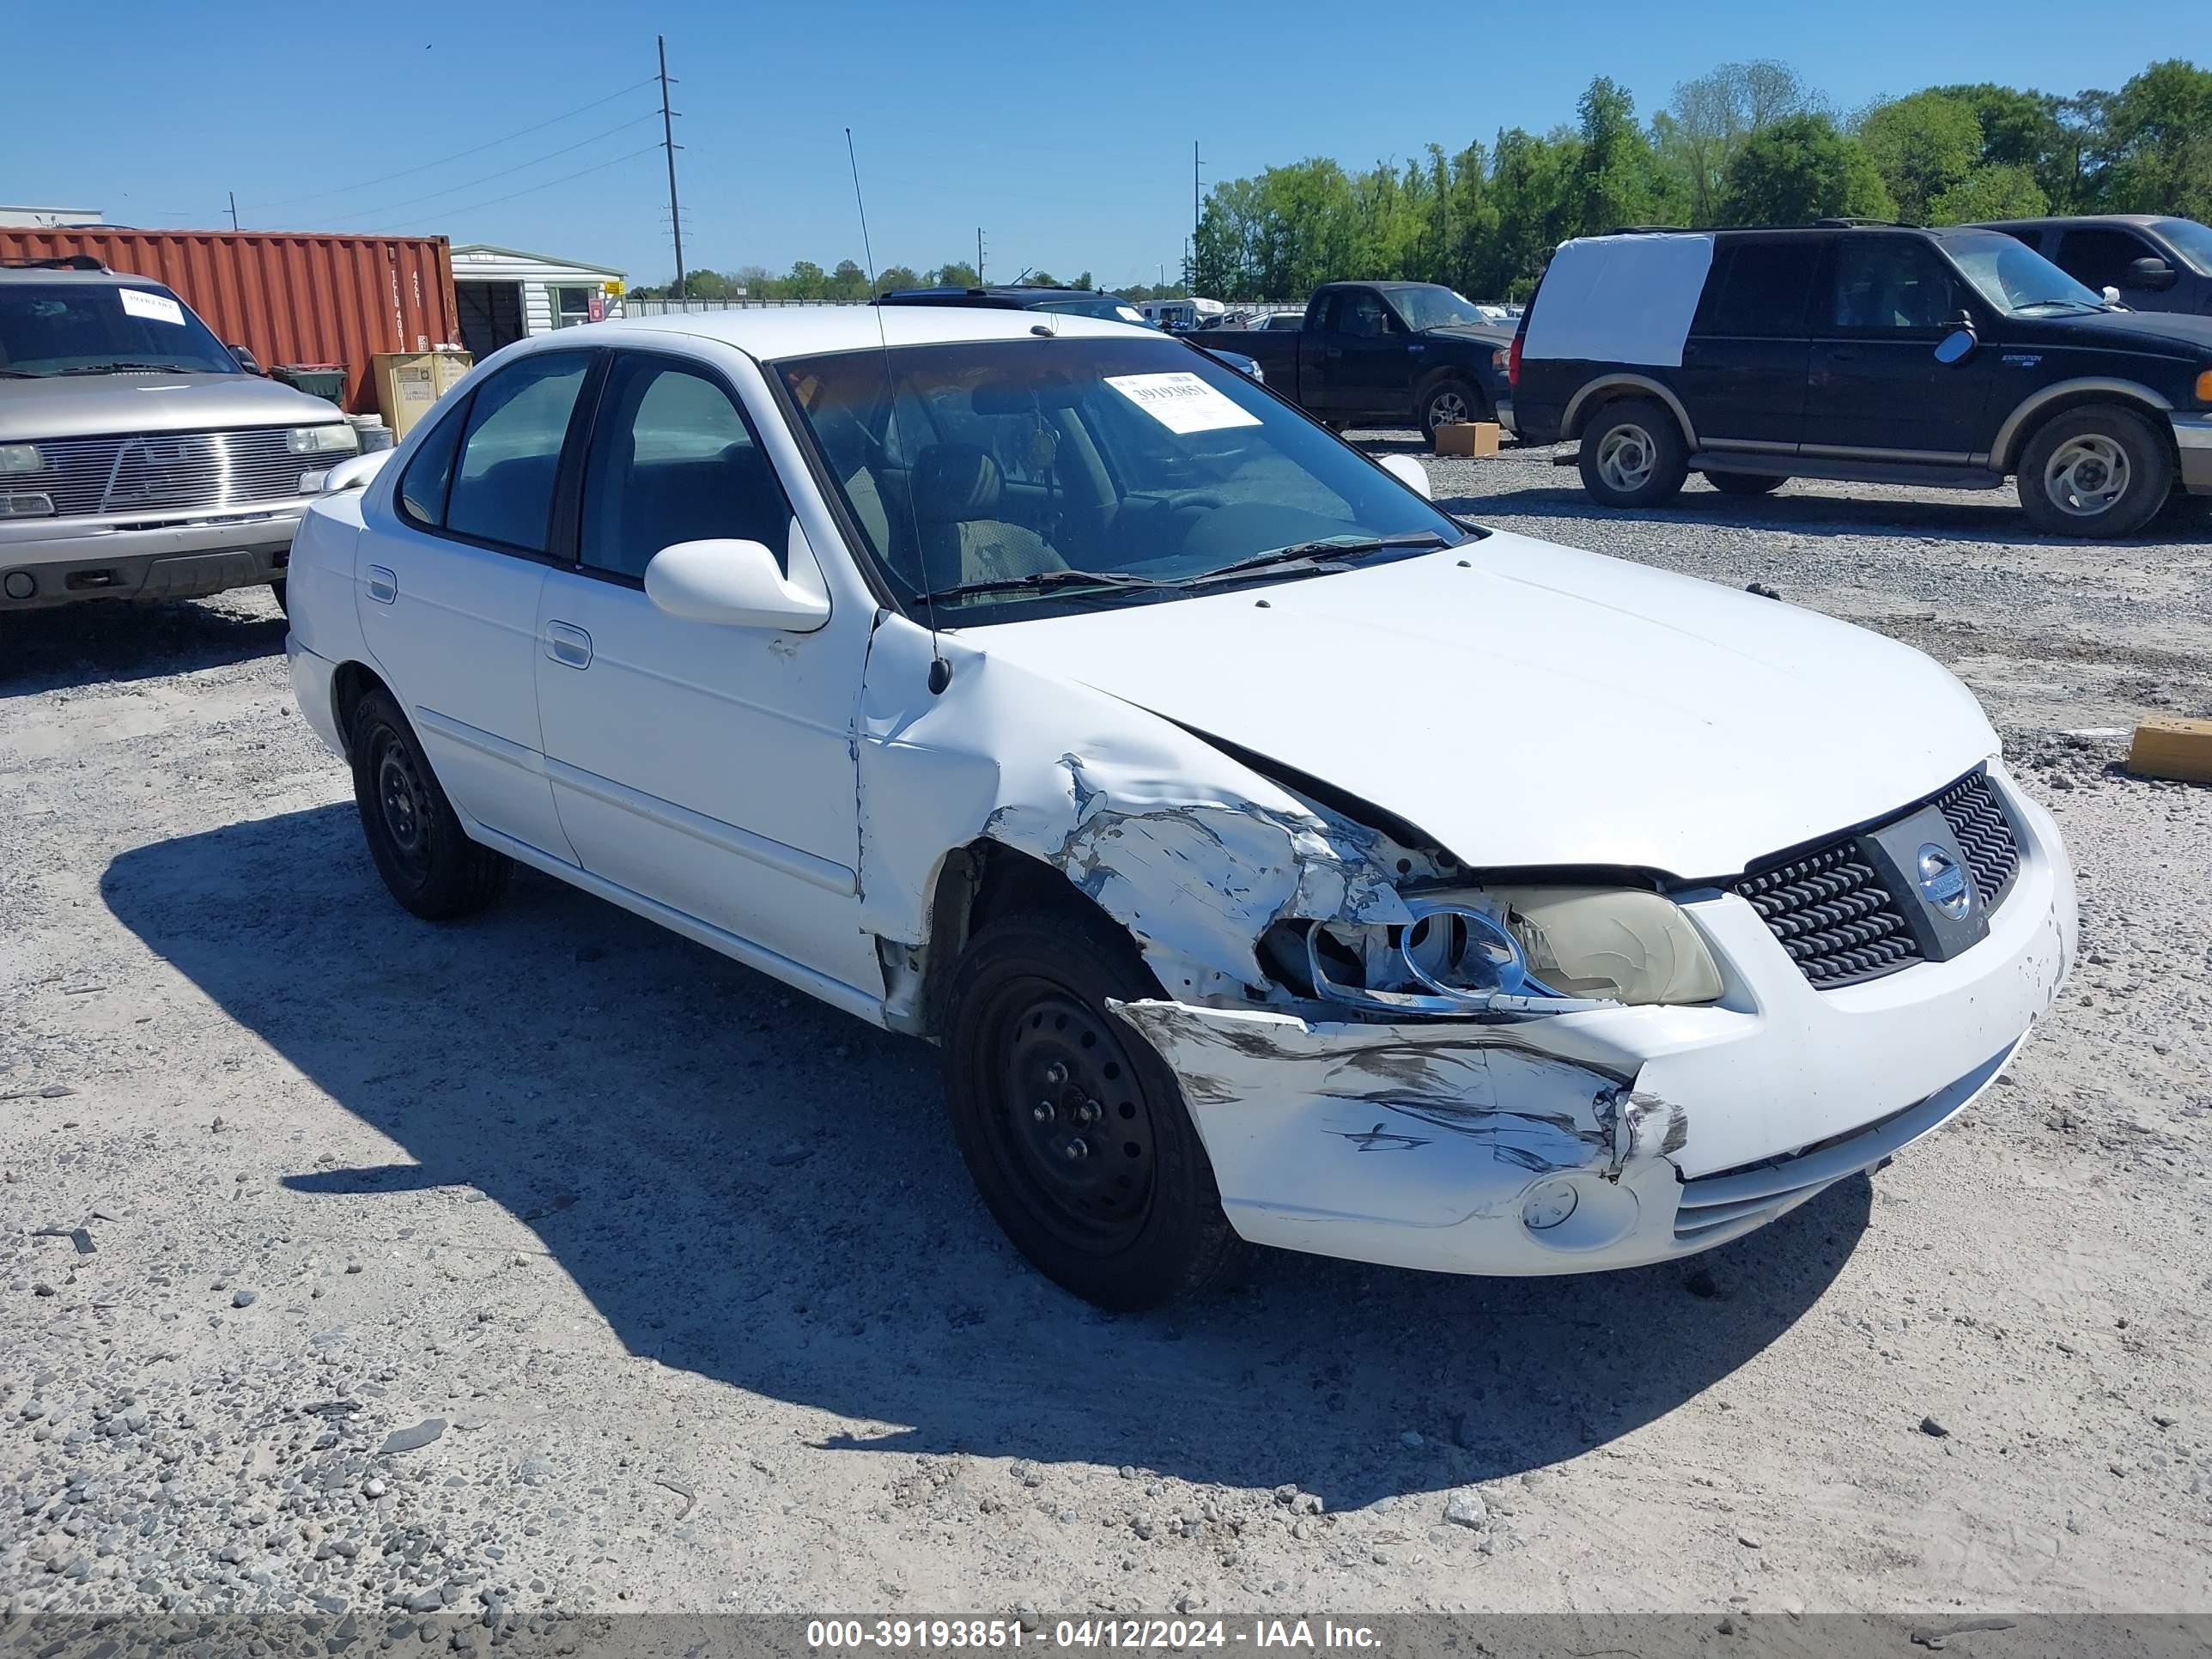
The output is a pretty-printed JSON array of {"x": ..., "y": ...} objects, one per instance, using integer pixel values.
[{"x": 288, "y": 297}]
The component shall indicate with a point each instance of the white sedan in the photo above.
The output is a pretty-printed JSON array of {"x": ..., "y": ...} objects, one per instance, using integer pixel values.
[{"x": 1274, "y": 858}]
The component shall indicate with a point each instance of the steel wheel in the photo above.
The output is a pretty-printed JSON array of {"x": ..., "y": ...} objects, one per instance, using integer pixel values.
[
  {"x": 403, "y": 804},
  {"x": 1068, "y": 1119},
  {"x": 1626, "y": 455},
  {"x": 2087, "y": 475}
]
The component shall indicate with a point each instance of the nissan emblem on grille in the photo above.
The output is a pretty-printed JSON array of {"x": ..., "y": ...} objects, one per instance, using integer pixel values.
[{"x": 1943, "y": 883}]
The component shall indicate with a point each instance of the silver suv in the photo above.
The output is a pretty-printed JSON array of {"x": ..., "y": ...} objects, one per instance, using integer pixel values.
[{"x": 141, "y": 458}]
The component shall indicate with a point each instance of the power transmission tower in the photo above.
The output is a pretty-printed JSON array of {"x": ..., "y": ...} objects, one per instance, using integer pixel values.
[{"x": 668, "y": 143}]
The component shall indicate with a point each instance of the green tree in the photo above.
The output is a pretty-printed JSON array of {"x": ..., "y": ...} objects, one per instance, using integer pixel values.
[
  {"x": 2157, "y": 149},
  {"x": 1923, "y": 146},
  {"x": 888, "y": 279},
  {"x": 1616, "y": 172},
  {"x": 1990, "y": 192},
  {"x": 807, "y": 281},
  {"x": 1708, "y": 119},
  {"x": 956, "y": 273},
  {"x": 1799, "y": 169}
]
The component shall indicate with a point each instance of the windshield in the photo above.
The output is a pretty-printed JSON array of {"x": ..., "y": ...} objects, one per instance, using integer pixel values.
[
  {"x": 2191, "y": 240},
  {"x": 103, "y": 328},
  {"x": 2013, "y": 277},
  {"x": 1022, "y": 462},
  {"x": 1434, "y": 307}
]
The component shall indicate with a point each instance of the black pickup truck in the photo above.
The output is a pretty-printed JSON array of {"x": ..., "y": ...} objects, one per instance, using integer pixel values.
[{"x": 1381, "y": 353}]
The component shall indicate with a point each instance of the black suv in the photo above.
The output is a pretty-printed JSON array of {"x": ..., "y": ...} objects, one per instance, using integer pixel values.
[
  {"x": 1879, "y": 353},
  {"x": 2153, "y": 263}
]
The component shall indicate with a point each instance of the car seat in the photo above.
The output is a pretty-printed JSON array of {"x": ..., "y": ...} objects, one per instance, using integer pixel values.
[{"x": 958, "y": 492}]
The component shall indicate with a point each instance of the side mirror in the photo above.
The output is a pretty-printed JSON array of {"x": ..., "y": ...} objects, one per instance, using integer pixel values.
[
  {"x": 245, "y": 360},
  {"x": 355, "y": 471},
  {"x": 2152, "y": 275},
  {"x": 1956, "y": 346},
  {"x": 1409, "y": 472},
  {"x": 734, "y": 583}
]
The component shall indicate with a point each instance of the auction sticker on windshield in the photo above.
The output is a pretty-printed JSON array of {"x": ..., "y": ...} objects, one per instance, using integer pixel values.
[
  {"x": 1181, "y": 402},
  {"x": 157, "y": 308}
]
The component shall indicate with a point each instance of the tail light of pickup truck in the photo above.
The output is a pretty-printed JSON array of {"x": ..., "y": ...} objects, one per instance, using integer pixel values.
[{"x": 1513, "y": 363}]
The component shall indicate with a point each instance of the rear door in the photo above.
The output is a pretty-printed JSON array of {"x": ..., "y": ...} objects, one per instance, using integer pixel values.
[
  {"x": 449, "y": 572},
  {"x": 1745, "y": 364},
  {"x": 1876, "y": 392}
]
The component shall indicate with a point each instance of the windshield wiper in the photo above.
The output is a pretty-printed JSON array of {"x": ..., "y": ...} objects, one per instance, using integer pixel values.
[
  {"x": 1326, "y": 550},
  {"x": 2078, "y": 305},
  {"x": 1037, "y": 580},
  {"x": 129, "y": 368}
]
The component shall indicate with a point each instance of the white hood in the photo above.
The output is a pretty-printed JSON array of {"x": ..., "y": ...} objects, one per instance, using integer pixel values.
[{"x": 1540, "y": 705}]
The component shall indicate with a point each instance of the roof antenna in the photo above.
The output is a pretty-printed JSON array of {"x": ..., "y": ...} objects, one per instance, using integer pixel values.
[{"x": 940, "y": 672}]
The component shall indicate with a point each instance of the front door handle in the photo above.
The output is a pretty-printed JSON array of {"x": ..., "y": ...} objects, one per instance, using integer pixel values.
[
  {"x": 383, "y": 585},
  {"x": 568, "y": 645}
]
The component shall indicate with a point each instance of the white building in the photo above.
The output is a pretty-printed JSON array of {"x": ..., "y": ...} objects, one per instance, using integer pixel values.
[
  {"x": 505, "y": 294},
  {"x": 49, "y": 218}
]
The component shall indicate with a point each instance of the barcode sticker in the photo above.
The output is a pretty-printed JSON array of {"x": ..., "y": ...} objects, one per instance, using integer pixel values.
[
  {"x": 1181, "y": 402},
  {"x": 154, "y": 308}
]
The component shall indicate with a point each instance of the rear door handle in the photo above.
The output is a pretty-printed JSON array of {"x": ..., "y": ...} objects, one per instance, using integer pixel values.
[
  {"x": 383, "y": 585},
  {"x": 568, "y": 645}
]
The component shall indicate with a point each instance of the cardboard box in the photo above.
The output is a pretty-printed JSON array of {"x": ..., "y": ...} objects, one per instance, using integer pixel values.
[
  {"x": 2177, "y": 749},
  {"x": 406, "y": 387},
  {"x": 1475, "y": 438}
]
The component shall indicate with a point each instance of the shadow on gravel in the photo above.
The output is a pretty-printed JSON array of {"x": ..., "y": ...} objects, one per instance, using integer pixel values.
[
  {"x": 1985, "y": 517},
  {"x": 80, "y": 644},
  {"x": 750, "y": 1186}
]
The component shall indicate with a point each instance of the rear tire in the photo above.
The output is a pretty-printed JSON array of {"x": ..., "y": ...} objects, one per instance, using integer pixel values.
[
  {"x": 277, "y": 592},
  {"x": 414, "y": 834},
  {"x": 1633, "y": 455},
  {"x": 1744, "y": 484},
  {"x": 1073, "y": 1128},
  {"x": 1449, "y": 403},
  {"x": 2101, "y": 470}
]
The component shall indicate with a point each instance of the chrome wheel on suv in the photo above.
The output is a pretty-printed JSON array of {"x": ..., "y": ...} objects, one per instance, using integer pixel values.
[
  {"x": 1632, "y": 454},
  {"x": 2100, "y": 471}
]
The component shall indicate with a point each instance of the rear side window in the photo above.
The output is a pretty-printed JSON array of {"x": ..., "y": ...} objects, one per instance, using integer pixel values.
[
  {"x": 502, "y": 487},
  {"x": 2098, "y": 259},
  {"x": 1760, "y": 289}
]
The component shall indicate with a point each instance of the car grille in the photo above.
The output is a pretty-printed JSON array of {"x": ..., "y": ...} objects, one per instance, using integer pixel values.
[
  {"x": 167, "y": 472},
  {"x": 1831, "y": 911},
  {"x": 1834, "y": 916},
  {"x": 1985, "y": 834}
]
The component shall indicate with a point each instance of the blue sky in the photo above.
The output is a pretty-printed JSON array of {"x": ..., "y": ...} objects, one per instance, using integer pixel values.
[{"x": 1066, "y": 132}]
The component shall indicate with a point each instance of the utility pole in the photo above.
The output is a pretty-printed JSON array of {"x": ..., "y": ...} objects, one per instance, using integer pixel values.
[
  {"x": 979, "y": 256},
  {"x": 668, "y": 143},
  {"x": 1196, "y": 214},
  {"x": 233, "y": 210}
]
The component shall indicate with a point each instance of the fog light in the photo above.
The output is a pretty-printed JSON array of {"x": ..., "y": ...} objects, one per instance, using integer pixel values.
[
  {"x": 27, "y": 504},
  {"x": 311, "y": 483},
  {"x": 1548, "y": 1206},
  {"x": 20, "y": 584}
]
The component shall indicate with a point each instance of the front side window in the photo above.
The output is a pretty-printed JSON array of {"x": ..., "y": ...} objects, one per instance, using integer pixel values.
[
  {"x": 673, "y": 460},
  {"x": 1363, "y": 315},
  {"x": 502, "y": 487},
  {"x": 1892, "y": 283},
  {"x": 2098, "y": 259},
  {"x": 1760, "y": 290},
  {"x": 103, "y": 328},
  {"x": 1002, "y": 474}
]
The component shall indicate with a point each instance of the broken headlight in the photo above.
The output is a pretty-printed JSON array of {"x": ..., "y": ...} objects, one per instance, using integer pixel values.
[{"x": 1528, "y": 950}]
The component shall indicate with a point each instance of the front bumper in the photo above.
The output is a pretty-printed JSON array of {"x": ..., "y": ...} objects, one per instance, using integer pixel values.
[
  {"x": 2192, "y": 437},
  {"x": 1615, "y": 1138},
  {"x": 51, "y": 562}
]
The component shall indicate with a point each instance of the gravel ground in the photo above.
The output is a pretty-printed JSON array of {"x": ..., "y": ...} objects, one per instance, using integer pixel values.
[{"x": 548, "y": 1263}]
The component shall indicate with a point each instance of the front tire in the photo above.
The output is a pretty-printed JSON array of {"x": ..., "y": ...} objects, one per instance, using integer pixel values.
[
  {"x": 1632, "y": 454},
  {"x": 1074, "y": 1130},
  {"x": 414, "y": 836},
  {"x": 277, "y": 592},
  {"x": 1449, "y": 402},
  {"x": 2100, "y": 471},
  {"x": 1744, "y": 484}
]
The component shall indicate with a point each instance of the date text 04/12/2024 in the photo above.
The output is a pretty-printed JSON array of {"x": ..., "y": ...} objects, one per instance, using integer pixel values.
[{"x": 1163, "y": 1634}]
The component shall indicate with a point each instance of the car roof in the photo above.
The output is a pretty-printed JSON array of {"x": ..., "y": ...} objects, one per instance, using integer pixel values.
[
  {"x": 1010, "y": 294},
  {"x": 40, "y": 273},
  {"x": 2055, "y": 219},
  {"x": 775, "y": 331}
]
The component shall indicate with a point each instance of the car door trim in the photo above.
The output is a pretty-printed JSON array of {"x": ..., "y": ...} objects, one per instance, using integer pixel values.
[
  {"x": 518, "y": 755},
  {"x": 2001, "y": 452},
  {"x": 775, "y": 855},
  {"x": 867, "y": 1005}
]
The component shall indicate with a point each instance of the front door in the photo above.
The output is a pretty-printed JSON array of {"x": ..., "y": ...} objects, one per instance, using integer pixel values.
[
  {"x": 448, "y": 574},
  {"x": 1876, "y": 391},
  {"x": 707, "y": 767},
  {"x": 1367, "y": 367}
]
